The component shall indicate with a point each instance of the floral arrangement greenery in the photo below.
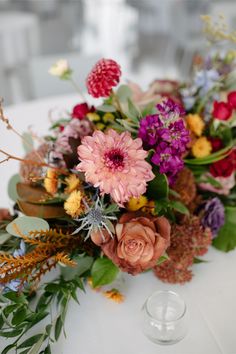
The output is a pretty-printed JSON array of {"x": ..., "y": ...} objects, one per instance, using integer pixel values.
[{"x": 143, "y": 181}]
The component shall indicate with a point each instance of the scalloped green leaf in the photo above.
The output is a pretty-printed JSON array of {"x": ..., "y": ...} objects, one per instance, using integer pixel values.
[{"x": 104, "y": 271}]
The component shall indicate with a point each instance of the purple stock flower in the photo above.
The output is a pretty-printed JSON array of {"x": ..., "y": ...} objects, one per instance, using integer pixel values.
[
  {"x": 149, "y": 130},
  {"x": 169, "y": 107},
  {"x": 214, "y": 215}
]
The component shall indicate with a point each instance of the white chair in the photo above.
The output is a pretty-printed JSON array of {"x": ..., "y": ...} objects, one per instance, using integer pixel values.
[{"x": 19, "y": 41}]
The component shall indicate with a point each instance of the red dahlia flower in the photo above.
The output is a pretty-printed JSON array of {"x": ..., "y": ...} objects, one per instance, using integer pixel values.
[
  {"x": 222, "y": 110},
  {"x": 232, "y": 99},
  {"x": 103, "y": 77}
]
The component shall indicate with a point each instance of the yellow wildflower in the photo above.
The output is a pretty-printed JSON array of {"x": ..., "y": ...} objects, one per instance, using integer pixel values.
[
  {"x": 195, "y": 124},
  {"x": 93, "y": 117},
  {"x": 72, "y": 182},
  {"x": 202, "y": 147},
  {"x": 51, "y": 181},
  {"x": 73, "y": 205},
  {"x": 90, "y": 283},
  {"x": 136, "y": 203},
  {"x": 108, "y": 117},
  {"x": 114, "y": 295}
]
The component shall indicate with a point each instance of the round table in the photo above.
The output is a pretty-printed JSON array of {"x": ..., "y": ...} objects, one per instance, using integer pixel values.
[{"x": 100, "y": 326}]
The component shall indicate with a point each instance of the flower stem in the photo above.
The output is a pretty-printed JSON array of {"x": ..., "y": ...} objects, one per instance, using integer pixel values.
[{"x": 77, "y": 88}]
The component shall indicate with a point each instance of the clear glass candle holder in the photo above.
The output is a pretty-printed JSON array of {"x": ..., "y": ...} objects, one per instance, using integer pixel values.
[{"x": 164, "y": 317}]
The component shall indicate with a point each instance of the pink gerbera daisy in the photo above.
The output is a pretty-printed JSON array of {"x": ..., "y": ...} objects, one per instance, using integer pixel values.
[{"x": 116, "y": 164}]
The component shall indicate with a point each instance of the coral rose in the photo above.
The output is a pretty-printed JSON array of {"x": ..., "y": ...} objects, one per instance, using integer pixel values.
[{"x": 139, "y": 242}]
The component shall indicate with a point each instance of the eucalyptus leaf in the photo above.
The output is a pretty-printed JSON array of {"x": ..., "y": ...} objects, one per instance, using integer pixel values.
[
  {"x": 106, "y": 108},
  {"x": 123, "y": 93},
  {"x": 26, "y": 224},
  {"x": 103, "y": 272},
  {"x": 4, "y": 237},
  {"x": 83, "y": 265},
  {"x": 12, "y": 191}
]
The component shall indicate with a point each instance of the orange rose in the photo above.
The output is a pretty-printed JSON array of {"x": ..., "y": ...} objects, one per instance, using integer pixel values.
[{"x": 139, "y": 241}]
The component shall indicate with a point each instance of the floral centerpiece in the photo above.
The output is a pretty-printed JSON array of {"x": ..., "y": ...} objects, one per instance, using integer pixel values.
[{"x": 143, "y": 181}]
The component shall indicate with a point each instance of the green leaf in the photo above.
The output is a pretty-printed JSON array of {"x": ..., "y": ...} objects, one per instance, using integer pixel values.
[
  {"x": 216, "y": 156},
  {"x": 37, "y": 346},
  {"x": 133, "y": 112},
  {"x": 11, "y": 189},
  {"x": 4, "y": 237},
  {"x": 84, "y": 264},
  {"x": 30, "y": 341},
  {"x": 226, "y": 239},
  {"x": 158, "y": 188},
  {"x": 179, "y": 206},
  {"x": 198, "y": 261},
  {"x": 47, "y": 350},
  {"x": 162, "y": 259},
  {"x": 58, "y": 327},
  {"x": 19, "y": 316},
  {"x": 11, "y": 334},
  {"x": 106, "y": 108},
  {"x": 9, "y": 347},
  {"x": 27, "y": 224},
  {"x": 103, "y": 272},
  {"x": 15, "y": 297},
  {"x": 28, "y": 142},
  {"x": 52, "y": 288},
  {"x": 123, "y": 93}
]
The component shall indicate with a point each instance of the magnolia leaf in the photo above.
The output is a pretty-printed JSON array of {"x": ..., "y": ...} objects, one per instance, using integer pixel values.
[
  {"x": 41, "y": 211},
  {"x": 12, "y": 187},
  {"x": 28, "y": 142},
  {"x": 226, "y": 239},
  {"x": 123, "y": 93},
  {"x": 103, "y": 272},
  {"x": 25, "y": 224},
  {"x": 32, "y": 194}
]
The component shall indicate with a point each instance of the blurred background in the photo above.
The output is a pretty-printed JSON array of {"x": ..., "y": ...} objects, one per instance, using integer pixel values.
[{"x": 149, "y": 38}]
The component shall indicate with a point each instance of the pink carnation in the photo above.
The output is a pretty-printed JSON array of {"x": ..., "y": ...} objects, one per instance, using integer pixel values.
[
  {"x": 116, "y": 164},
  {"x": 226, "y": 183}
]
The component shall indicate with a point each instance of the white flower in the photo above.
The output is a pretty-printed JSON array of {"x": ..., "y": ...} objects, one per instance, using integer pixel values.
[{"x": 60, "y": 68}]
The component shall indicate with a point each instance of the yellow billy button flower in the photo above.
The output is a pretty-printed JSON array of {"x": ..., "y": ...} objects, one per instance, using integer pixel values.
[
  {"x": 201, "y": 148},
  {"x": 51, "y": 181},
  {"x": 108, "y": 117},
  {"x": 93, "y": 117},
  {"x": 136, "y": 203},
  {"x": 72, "y": 182},
  {"x": 195, "y": 124},
  {"x": 73, "y": 204}
]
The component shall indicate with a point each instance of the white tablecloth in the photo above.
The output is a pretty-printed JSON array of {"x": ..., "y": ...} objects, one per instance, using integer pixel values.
[{"x": 100, "y": 326}]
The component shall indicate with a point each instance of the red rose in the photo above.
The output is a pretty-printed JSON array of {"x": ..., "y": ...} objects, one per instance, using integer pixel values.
[
  {"x": 222, "y": 110},
  {"x": 232, "y": 99},
  {"x": 224, "y": 167},
  {"x": 216, "y": 144},
  {"x": 80, "y": 111}
]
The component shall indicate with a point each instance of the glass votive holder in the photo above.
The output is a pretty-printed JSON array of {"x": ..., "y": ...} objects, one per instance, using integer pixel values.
[{"x": 164, "y": 317}]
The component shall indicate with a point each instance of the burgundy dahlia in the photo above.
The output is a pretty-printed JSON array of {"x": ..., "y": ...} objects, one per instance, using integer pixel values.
[{"x": 103, "y": 77}]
